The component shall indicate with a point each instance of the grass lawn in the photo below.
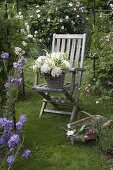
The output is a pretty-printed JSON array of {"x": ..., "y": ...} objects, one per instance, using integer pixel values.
[{"x": 47, "y": 141}]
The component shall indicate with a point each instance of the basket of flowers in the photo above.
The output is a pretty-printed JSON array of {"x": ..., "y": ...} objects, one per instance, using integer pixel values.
[
  {"x": 86, "y": 129},
  {"x": 53, "y": 66}
]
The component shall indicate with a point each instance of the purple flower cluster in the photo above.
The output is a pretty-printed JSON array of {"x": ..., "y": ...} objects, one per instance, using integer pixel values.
[
  {"x": 5, "y": 56},
  {"x": 21, "y": 121},
  {"x": 7, "y": 85},
  {"x": 26, "y": 154},
  {"x": 110, "y": 83},
  {"x": 10, "y": 159},
  {"x": 7, "y": 125},
  {"x": 19, "y": 64},
  {"x": 11, "y": 139},
  {"x": 17, "y": 80}
]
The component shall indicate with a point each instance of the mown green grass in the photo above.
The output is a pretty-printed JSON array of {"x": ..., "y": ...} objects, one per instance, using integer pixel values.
[{"x": 46, "y": 138}]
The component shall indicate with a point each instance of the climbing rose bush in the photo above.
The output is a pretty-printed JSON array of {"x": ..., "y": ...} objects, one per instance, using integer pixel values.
[{"x": 58, "y": 17}]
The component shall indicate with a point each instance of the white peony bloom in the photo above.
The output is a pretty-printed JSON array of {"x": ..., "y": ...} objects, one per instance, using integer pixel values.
[
  {"x": 45, "y": 68},
  {"x": 56, "y": 55},
  {"x": 78, "y": 16},
  {"x": 56, "y": 71},
  {"x": 24, "y": 43},
  {"x": 70, "y": 132},
  {"x": 67, "y": 64},
  {"x": 50, "y": 62}
]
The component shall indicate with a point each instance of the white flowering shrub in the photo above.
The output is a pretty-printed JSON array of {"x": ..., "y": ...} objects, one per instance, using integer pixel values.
[
  {"x": 58, "y": 17},
  {"x": 103, "y": 81},
  {"x": 54, "y": 64}
]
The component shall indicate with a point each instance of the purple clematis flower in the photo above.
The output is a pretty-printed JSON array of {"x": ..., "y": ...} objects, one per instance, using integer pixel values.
[
  {"x": 5, "y": 56},
  {"x": 17, "y": 80},
  {"x": 7, "y": 85},
  {"x": 17, "y": 66},
  {"x": 110, "y": 83},
  {"x": 19, "y": 125},
  {"x": 14, "y": 139},
  {"x": 22, "y": 60},
  {"x": 22, "y": 118},
  {"x": 21, "y": 121},
  {"x": 26, "y": 154},
  {"x": 10, "y": 159},
  {"x": 7, "y": 124}
]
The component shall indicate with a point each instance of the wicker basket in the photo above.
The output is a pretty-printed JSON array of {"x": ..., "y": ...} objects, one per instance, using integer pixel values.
[{"x": 55, "y": 82}]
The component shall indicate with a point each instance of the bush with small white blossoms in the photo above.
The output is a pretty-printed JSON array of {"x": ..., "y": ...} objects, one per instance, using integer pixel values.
[
  {"x": 58, "y": 17},
  {"x": 103, "y": 83},
  {"x": 54, "y": 64},
  {"x": 18, "y": 42}
]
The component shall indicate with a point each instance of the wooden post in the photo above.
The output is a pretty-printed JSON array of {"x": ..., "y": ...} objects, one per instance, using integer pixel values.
[
  {"x": 23, "y": 84},
  {"x": 17, "y": 5},
  {"x": 94, "y": 21},
  {"x": 14, "y": 117}
]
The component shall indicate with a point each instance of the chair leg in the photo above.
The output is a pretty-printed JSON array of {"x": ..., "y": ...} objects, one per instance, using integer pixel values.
[
  {"x": 74, "y": 111},
  {"x": 42, "y": 108}
]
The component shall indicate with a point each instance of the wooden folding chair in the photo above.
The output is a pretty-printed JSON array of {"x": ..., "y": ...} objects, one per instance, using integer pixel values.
[{"x": 74, "y": 46}]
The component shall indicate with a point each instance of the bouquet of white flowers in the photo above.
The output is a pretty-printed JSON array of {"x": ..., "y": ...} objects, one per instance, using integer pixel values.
[{"x": 54, "y": 64}]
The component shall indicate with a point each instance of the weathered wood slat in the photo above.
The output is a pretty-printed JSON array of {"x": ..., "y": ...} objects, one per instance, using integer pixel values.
[
  {"x": 72, "y": 51},
  {"x": 63, "y": 45},
  {"x": 56, "y": 111},
  {"x": 77, "y": 55},
  {"x": 68, "y": 47},
  {"x": 66, "y": 36},
  {"x": 58, "y": 45},
  {"x": 44, "y": 88}
]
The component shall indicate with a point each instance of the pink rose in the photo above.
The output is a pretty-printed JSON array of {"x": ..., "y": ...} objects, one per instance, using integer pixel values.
[{"x": 86, "y": 137}]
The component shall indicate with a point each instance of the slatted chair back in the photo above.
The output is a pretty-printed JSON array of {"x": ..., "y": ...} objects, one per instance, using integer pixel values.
[{"x": 73, "y": 45}]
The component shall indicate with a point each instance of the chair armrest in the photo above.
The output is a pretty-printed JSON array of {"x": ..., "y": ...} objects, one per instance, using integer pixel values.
[{"x": 75, "y": 69}]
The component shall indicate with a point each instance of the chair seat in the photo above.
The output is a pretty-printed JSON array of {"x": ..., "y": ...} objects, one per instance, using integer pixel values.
[{"x": 45, "y": 88}]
